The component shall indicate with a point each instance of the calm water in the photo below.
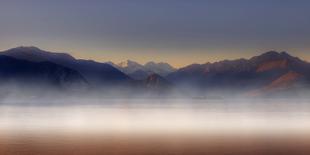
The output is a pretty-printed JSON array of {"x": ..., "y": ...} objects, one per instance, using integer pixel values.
[
  {"x": 158, "y": 115},
  {"x": 144, "y": 126}
]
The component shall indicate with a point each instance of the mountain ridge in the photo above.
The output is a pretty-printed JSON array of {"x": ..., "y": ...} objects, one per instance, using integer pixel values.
[
  {"x": 96, "y": 73},
  {"x": 139, "y": 72},
  {"x": 38, "y": 74},
  {"x": 265, "y": 74},
  {"x": 241, "y": 74}
]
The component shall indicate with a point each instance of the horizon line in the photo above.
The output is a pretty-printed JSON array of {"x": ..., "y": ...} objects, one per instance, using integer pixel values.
[{"x": 157, "y": 62}]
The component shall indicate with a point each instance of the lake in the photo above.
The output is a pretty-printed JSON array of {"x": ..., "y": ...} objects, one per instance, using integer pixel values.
[{"x": 148, "y": 126}]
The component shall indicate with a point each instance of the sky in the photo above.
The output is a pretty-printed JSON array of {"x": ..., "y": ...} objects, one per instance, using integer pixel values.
[{"x": 180, "y": 32}]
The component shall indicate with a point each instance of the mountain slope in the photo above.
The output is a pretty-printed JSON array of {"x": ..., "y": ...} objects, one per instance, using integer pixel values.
[
  {"x": 156, "y": 81},
  {"x": 140, "y": 72},
  {"x": 160, "y": 68},
  {"x": 241, "y": 74},
  {"x": 285, "y": 81},
  {"x": 38, "y": 74},
  {"x": 269, "y": 73},
  {"x": 139, "y": 75},
  {"x": 154, "y": 84},
  {"x": 97, "y": 74}
]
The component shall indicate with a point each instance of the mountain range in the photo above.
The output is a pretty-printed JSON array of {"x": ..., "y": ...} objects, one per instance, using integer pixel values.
[
  {"x": 265, "y": 74},
  {"x": 140, "y": 72},
  {"x": 268, "y": 74},
  {"x": 95, "y": 73}
]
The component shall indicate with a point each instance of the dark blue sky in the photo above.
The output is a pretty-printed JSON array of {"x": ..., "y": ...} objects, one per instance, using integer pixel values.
[{"x": 178, "y": 31}]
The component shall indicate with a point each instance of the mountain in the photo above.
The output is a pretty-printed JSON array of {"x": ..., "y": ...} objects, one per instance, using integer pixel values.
[
  {"x": 156, "y": 81},
  {"x": 269, "y": 74},
  {"x": 140, "y": 72},
  {"x": 130, "y": 66},
  {"x": 160, "y": 68},
  {"x": 132, "y": 69},
  {"x": 289, "y": 84},
  {"x": 156, "y": 84},
  {"x": 96, "y": 73},
  {"x": 22, "y": 73},
  {"x": 264, "y": 71},
  {"x": 35, "y": 54}
]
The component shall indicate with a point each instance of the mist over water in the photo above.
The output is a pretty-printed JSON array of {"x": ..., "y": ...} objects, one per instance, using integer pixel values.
[
  {"x": 117, "y": 122},
  {"x": 107, "y": 116}
]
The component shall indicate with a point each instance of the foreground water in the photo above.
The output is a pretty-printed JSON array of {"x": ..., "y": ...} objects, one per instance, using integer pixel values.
[
  {"x": 158, "y": 116},
  {"x": 156, "y": 127}
]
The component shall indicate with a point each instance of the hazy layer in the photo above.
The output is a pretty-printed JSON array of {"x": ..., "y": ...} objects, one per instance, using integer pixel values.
[{"x": 160, "y": 116}]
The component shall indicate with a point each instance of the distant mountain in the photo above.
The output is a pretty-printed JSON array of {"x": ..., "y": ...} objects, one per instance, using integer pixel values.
[
  {"x": 22, "y": 73},
  {"x": 156, "y": 81},
  {"x": 96, "y": 73},
  {"x": 268, "y": 70},
  {"x": 35, "y": 54},
  {"x": 132, "y": 69},
  {"x": 140, "y": 72},
  {"x": 160, "y": 68},
  {"x": 130, "y": 66},
  {"x": 269, "y": 74},
  {"x": 291, "y": 83},
  {"x": 158, "y": 85}
]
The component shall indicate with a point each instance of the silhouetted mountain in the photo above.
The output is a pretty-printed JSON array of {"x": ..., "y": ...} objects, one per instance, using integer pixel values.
[
  {"x": 255, "y": 73},
  {"x": 139, "y": 72},
  {"x": 38, "y": 74},
  {"x": 35, "y": 54},
  {"x": 264, "y": 75},
  {"x": 158, "y": 85},
  {"x": 139, "y": 75},
  {"x": 97, "y": 74},
  {"x": 156, "y": 81}
]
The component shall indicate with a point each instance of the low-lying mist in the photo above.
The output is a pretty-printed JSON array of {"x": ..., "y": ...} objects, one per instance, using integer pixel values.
[
  {"x": 126, "y": 110},
  {"x": 40, "y": 94},
  {"x": 145, "y": 119}
]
